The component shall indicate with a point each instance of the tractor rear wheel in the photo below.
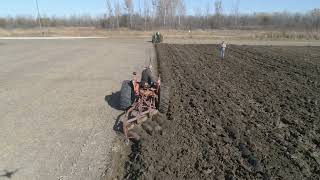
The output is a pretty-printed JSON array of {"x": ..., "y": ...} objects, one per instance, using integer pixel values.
[{"x": 126, "y": 95}]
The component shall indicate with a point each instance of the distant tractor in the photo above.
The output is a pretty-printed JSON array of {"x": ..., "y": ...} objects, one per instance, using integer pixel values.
[{"x": 157, "y": 38}]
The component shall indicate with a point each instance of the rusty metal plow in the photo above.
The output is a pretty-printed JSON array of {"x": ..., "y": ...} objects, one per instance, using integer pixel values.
[{"x": 143, "y": 108}]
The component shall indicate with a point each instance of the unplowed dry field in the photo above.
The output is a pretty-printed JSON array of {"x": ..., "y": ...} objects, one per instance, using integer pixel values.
[{"x": 253, "y": 115}]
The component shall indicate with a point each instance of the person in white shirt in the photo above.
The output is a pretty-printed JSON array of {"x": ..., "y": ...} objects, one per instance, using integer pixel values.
[{"x": 223, "y": 47}]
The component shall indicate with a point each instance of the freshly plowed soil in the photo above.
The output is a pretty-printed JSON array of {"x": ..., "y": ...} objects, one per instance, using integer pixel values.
[{"x": 253, "y": 115}]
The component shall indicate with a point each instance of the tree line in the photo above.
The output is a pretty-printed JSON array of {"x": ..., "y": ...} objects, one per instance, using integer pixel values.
[{"x": 171, "y": 14}]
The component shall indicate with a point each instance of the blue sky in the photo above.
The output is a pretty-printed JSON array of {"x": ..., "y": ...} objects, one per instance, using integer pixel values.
[{"x": 97, "y": 7}]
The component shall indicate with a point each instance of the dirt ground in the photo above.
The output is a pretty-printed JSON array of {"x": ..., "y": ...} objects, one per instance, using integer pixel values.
[
  {"x": 253, "y": 115},
  {"x": 56, "y": 110}
]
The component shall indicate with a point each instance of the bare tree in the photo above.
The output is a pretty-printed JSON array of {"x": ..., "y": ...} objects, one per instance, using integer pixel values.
[
  {"x": 139, "y": 3},
  {"x": 181, "y": 11},
  {"x": 207, "y": 13},
  {"x": 218, "y": 12},
  {"x": 218, "y": 7},
  {"x": 39, "y": 16},
  {"x": 162, "y": 10},
  {"x": 146, "y": 12},
  {"x": 236, "y": 11},
  {"x": 110, "y": 13},
  {"x": 172, "y": 14},
  {"x": 117, "y": 12},
  {"x": 166, "y": 11},
  {"x": 173, "y": 6},
  {"x": 198, "y": 12},
  {"x": 315, "y": 18},
  {"x": 129, "y": 8}
]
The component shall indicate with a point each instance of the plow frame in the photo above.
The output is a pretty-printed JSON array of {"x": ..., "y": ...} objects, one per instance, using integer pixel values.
[{"x": 144, "y": 106}]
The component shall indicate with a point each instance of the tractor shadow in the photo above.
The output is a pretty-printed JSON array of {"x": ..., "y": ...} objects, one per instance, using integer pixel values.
[
  {"x": 113, "y": 101},
  {"x": 7, "y": 174}
]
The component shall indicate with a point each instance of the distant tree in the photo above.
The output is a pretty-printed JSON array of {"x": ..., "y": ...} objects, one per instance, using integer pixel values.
[
  {"x": 181, "y": 9},
  {"x": 38, "y": 16},
  {"x": 117, "y": 12},
  {"x": 207, "y": 13},
  {"x": 110, "y": 13},
  {"x": 264, "y": 19},
  {"x": 218, "y": 7},
  {"x": 315, "y": 18},
  {"x": 162, "y": 10},
  {"x": 236, "y": 12},
  {"x": 154, "y": 10},
  {"x": 130, "y": 9},
  {"x": 3, "y": 22},
  {"x": 172, "y": 14},
  {"x": 218, "y": 12},
  {"x": 198, "y": 13},
  {"x": 139, "y": 3},
  {"x": 146, "y": 12}
]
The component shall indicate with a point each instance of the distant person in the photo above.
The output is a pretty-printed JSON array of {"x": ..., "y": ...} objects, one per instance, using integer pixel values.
[{"x": 223, "y": 47}]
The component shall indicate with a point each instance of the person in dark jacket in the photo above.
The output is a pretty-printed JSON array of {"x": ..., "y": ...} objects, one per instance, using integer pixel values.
[{"x": 147, "y": 77}]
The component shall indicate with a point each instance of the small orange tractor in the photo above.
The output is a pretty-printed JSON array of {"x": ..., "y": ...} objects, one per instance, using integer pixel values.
[{"x": 141, "y": 102}]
